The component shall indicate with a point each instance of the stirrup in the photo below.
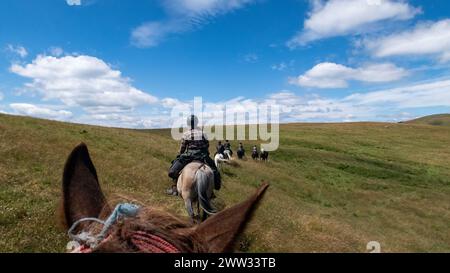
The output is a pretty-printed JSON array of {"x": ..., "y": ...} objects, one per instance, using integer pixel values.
[
  {"x": 217, "y": 185},
  {"x": 172, "y": 191}
]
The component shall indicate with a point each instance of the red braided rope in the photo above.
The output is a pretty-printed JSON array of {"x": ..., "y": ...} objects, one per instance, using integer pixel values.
[{"x": 151, "y": 243}]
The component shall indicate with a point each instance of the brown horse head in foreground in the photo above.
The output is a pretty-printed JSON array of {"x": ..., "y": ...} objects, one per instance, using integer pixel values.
[{"x": 150, "y": 230}]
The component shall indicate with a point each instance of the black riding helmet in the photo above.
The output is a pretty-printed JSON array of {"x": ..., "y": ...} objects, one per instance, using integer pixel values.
[{"x": 192, "y": 121}]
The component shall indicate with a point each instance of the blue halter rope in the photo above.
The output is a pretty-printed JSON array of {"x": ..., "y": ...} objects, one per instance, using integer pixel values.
[{"x": 91, "y": 240}]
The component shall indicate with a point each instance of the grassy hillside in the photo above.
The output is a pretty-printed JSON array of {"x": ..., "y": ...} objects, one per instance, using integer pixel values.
[
  {"x": 334, "y": 187},
  {"x": 436, "y": 120}
]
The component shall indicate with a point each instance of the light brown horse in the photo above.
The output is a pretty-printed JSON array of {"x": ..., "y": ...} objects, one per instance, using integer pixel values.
[
  {"x": 150, "y": 230},
  {"x": 196, "y": 185}
]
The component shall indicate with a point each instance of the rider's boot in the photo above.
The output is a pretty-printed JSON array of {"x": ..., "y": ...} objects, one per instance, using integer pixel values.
[
  {"x": 174, "y": 172},
  {"x": 173, "y": 190},
  {"x": 217, "y": 180}
]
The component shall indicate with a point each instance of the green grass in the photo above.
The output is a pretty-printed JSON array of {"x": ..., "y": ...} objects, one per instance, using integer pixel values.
[{"x": 334, "y": 187}]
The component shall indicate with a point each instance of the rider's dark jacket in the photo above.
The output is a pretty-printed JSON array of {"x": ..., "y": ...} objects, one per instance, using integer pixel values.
[
  {"x": 194, "y": 143},
  {"x": 194, "y": 147},
  {"x": 227, "y": 146},
  {"x": 220, "y": 148}
]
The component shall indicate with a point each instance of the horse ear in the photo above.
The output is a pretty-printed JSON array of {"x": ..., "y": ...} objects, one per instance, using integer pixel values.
[
  {"x": 220, "y": 231},
  {"x": 82, "y": 195}
]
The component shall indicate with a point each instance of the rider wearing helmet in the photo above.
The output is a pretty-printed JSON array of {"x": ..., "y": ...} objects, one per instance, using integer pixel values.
[
  {"x": 241, "y": 150},
  {"x": 254, "y": 149},
  {"x": 227, "y": 146},
  {"x": 255, "y": 153},
  {"x": 220, "y": 148},
  {"x": 194, "y": 147}
]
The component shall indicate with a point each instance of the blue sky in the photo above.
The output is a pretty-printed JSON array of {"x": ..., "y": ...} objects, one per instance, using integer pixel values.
[{"x": 126, "y": 63}]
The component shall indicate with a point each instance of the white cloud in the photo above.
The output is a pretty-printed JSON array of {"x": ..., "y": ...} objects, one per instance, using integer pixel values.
[
  {"x": 126, "y": 120},
  {"x": 89, "y": 84},
  {"x": 251, "y": 58},
  {"x": 283, "y": 65},
  {"x": 430, "y": 94},
  {"x": 19, "y": 50},
  {"x": 391, "y": 104},
  {"x": 151, "y": 34},
  {"x": 286, "y": 99},
  {"x": 332, "y": 75},
  {"x": 83, "y": 81},
  {"x": 40, "y": 111},
  {"x": 73, "y": 2},
  {"x": 383, "y": 105},
  {"x": 171, "y": 103},
  {"x": 194, "y": 8},
  {"x": 183, "y": 15},
  {"x": 348, "y": 17},
  {"x": 56, "y": 51},
  {"x": 425, "y": 39},
  {"x": 325, "y": 109},
  {"x": 148, "y": 34},
  {"x": 279, "y": 67}
]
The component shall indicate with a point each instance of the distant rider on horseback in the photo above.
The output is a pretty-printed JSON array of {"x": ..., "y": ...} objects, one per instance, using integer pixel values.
[
  {"x": 241, "y": 151},
  {"x": 194, "y": 147},
  {"x": 255, "y": 153},
  {"x": 227, "y": 146},
  {"x": 220, "y": 148}
]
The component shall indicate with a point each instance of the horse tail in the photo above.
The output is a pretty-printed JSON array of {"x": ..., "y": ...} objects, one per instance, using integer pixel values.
[{"x": 202, "y": 181}]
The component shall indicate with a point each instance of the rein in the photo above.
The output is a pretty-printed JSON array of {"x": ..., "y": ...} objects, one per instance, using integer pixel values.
[{"x": 86, "y": 242}]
